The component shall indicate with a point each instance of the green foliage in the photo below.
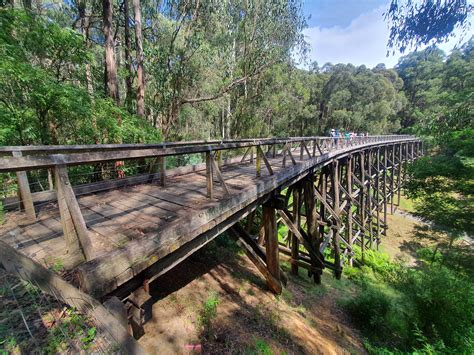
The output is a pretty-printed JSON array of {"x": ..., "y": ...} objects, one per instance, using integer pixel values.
[
  {"x": 414, "y": 24},
  {"x": 208, "y": 312},
  {"x": 426, "y": 309},
  {"x": 444, "y": 300},
  {"x": 383, "y": 314},
  {"x": 262, "y": 347},
  {"x": 40, "y": 101},
  {"x": 443, "y": 183},
  {"x": 73, "y": 325}
]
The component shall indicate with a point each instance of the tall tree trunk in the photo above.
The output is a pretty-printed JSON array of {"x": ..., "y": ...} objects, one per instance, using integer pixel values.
[
  {"x": 139, "y": 45},
  {"x": 27, "y": 4},
  {"x": 128, "y": 56},
  {"x": 111, "y": 87},
  {"x": 84, "y": 28}
]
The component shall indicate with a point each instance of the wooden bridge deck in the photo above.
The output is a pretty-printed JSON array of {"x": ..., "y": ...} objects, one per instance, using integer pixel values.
[
  {"x": 135, "y": 227},
  {"x": 121, "y": 215}
]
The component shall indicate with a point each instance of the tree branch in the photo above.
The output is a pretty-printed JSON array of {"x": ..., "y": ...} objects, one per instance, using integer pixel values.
[{"x": 227, "y": 88}]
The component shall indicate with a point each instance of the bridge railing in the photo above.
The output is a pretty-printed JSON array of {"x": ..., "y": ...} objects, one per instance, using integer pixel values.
[
  {"x": 110, "y": 166},
  {"x": 95, "y": 168},
  {"x": 15, "y": 158}
]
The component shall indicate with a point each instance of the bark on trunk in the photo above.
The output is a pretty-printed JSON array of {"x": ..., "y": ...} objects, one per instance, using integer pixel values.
[
  {"x": 140, "y": 73},
  {"x": 111, "y": 87},
  {"x": 128, "y": 56}
]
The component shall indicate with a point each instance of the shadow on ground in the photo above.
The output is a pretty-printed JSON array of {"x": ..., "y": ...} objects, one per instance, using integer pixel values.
[{"x": 217, "y": 302}]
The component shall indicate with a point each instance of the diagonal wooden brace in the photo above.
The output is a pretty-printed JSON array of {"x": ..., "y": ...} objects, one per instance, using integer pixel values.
[{"x": 74, "y": 226}]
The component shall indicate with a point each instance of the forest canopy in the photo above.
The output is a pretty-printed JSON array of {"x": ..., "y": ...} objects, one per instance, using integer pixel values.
[{"x": 141, "y": 71}]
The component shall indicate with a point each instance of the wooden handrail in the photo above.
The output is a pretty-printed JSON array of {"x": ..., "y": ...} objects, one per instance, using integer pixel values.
[
  {"x": 58, "y": 149},
  {"x": 50, "y": 156}
]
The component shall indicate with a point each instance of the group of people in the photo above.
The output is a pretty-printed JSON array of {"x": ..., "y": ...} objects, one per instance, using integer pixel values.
[{"x": 347, "y": 135}]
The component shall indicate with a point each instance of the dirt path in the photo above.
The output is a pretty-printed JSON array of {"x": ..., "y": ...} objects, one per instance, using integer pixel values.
[
  {"x": 217, "y": 302},
  {"x": 305, "y": 319},
  {"x": 407, "y": 234}
]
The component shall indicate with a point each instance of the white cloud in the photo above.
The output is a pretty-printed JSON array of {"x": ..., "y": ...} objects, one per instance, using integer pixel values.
[{"x": 364, "y": 41}]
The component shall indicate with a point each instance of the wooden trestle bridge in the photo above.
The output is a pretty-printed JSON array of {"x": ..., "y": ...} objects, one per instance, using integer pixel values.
[{"x": 116, "y": 217}]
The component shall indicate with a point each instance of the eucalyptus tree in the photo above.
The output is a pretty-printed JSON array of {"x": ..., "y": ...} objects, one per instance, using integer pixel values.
[
  {"x": 111, "y": 84},
  {"x": 426, "y": 22},
  {"x": 360, "y": 99},
  {"x": 203, "y": 52}
]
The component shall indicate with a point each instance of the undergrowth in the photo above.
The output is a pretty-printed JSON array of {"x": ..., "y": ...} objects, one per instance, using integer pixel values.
[
  {"x": 208, "y": 313},
  {"x": 429, "y": 309}
]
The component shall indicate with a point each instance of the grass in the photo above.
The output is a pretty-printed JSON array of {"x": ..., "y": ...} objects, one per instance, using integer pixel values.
[
  {"x": 208, "y": 313},
  {"x": 262, "y": 347},
  {"x": 2, "y": 214},
  {"x": 54, "y": 328},
  {"x": 407, "y": 204}
]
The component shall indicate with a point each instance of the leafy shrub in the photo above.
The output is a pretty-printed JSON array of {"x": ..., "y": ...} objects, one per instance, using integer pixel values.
[
  {"x": 383, "y": 314},
  {"x": 428, "y": 310},
  {"x": 444, "y": 300}
]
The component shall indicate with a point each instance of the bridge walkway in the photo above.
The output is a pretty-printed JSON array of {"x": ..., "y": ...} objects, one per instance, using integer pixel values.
[
  {"x": 119, "y": 216},
  {"x": 109, "y": 234}
]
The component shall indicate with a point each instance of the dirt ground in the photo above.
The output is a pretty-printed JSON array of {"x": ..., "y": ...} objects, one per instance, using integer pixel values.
[
  {"x": 217, "y": 302},
  {"x": 406, "y": 234},
  {"x": 248, "y": 319}
]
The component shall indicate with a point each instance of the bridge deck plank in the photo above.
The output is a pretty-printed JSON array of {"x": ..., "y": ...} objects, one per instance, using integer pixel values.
[
  {"x": 118, "y": 216},
  {"x": 149, "y": 212}
]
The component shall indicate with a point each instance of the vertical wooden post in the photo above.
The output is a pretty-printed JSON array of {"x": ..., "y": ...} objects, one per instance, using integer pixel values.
[
  {"x": 349, "y": 205},
  {"x": 322, "y": 207},
  {"x": 297, "y": 220},
  {"x": 50, "y": 180},
  {"x": 336, "y": 201},
  {"x": 72, "y": 241},
  {"x": 25, "y": 193},
  {"x": 209, "y": 175},
  {"x": 301, "y": 150},
  {"x": 363, "y": 199},
  {"x": 369, "y": 196},
  {"x": 219, "y": 159},
  {"x": 259, "y": 163},
  {"x": 377, "y": 192},
  {"x": 312, "y": 225},
  {"x": 392, "y": 182},
  {"x": 399, "y": 173},
  {"x": 384, "y": 192},
  {"x": 271, "y": 245},
  {"x": 251, "y": 154},
  {"x": 162, "y": 167}
]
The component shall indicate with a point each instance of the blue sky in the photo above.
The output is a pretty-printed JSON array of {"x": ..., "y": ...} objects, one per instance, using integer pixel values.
[{"x": 351, "y": 31}]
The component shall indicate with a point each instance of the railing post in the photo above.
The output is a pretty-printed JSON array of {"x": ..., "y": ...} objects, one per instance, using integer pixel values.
[
  {"x": 209, "y": 175},
  {"x": 219, "y": 158},
  {"x": 258, "y": 162},
  {"x": 162, "y": 167},
  {"x": 25, "y": 197}
]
